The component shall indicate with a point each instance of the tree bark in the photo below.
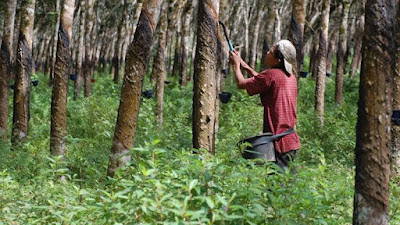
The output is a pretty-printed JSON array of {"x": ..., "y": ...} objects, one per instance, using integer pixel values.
[
  {"x": 87, "y": 64},
  {"x": 395, "y": 170},
  {"x": 205, "y": 78},
  {"x": 55, "y": 41},
  {"x": 23, "y": 77},
  {"x": 256, "y": 32},
  {"x": 159, "y": 69},
  {"x": 331, "y": 50},
  {"x": 360, "y": 33},
  {"x": 371, "y": 197},
  {"x": 340, "y": 67},
  {"x": 81, "y": 52},
  {"x": 136, "y": 66},
  {"x": 60, "y": 81},
  {"x": 187, "y": 12},
  {"x": 269, "y": 33},
  {"x": 297, "y": 30},
  {"x": 6, "y": 53},
  {"x": 321, "y": 57}
]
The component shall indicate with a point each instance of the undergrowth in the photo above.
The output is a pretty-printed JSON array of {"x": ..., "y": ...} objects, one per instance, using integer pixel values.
[{"x": 166, "y": 183}]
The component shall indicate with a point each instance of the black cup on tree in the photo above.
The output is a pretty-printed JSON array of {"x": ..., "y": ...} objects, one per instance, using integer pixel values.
[
  {"x": 148, "y": 93},
  {"x": 396, "y": 117},
  {"x": 12, "y": 86},
  {"x": 73, "y": 76},
  {"x": 35, "y": 83},
  {"x": 225, "y": 97},
  {"x": 328, "y": 74},
  {"x": 303, "y": 74}
]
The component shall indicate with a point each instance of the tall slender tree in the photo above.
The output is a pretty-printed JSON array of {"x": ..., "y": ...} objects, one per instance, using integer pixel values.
[
  {"x": 60, "y": 81},
  {"x": 159, "y": 71},
  {"x": 296, "y": 31},
  {"x": 187, "y": 12},
  {"x": 55, "y": 41},
  {"x": 321, "y": 59},
  {"x": 371, "y": 197},
  {"x": 81, "y": 51},
  {"x": 135, "y": 69},
  {"x": 23, "y": 77},
  {"x": 340, "y": 67},
  {"x": 5, "y": 64},
  {"x": 87, "y": 64},
  {"x": 205, "y": 76}
]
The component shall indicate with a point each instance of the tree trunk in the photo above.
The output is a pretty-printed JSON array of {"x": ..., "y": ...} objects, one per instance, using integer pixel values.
[
  {"x": 371, "y": 197},
  {"x": 23, "y": 77},
  {"x": 321, "y": 57},
  {"x": 6, "y": 53},
  {"x": 159, "y": 70},
  {"x": 395, "y": 171},
  {"x": 55, "y": 41},
  {"x": 88, "y": 48},
  {"x": 60, "y": 81},
  {"x": 269, "y": 33},
  {"x": 256, "y": 32},
  {"x": 297, "y": 30},
  {"x": 187, "y": 12},
  {"x": 314, "y": 56},
  {"x": 81, "y": 52},
  {"x": 137, "y": 60},
  {"x": 340, "y": 67},
  {"x": 205, "y": 78},
  {"x": 331, "y": 51},
  {"x": 357, "y": 50}
]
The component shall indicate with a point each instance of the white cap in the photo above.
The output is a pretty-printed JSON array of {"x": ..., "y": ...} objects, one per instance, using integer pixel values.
[{"x": 289, "y": 54}]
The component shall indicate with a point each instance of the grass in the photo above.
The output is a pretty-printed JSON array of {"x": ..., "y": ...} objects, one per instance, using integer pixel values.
[{"x": 165, "y": 183}]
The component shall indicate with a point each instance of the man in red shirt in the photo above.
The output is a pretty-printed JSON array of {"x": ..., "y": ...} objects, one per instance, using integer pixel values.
[{"x": 277, "y": 87}]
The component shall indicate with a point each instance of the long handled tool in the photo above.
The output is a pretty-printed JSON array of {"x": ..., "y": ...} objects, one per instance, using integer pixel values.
[{"x": 226, "y": 36}]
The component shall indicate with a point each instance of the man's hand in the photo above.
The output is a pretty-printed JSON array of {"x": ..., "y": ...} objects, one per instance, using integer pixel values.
[{"x": 235, "y": 58}]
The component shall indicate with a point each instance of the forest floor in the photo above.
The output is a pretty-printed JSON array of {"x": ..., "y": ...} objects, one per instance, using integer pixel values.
[{"x": 167, "y": 184}]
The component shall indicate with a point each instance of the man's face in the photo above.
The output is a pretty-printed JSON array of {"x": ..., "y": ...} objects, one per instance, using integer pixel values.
[{"x": 270, "y": 59}]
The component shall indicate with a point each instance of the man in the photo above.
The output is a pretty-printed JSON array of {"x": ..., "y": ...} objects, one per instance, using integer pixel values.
[{"x": 277, "y": 87}]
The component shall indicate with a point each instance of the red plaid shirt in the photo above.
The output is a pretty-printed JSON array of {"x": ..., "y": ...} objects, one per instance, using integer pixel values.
[{"x": 278, "y": 94}]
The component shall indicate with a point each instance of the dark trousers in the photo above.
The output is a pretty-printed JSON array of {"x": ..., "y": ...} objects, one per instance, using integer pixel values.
[{"x": 283, "y": 160}]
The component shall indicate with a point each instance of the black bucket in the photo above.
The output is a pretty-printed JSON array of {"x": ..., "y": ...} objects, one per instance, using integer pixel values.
[
  {"x": 328, "y": 74},
  {"x": 303, "y": 74},
  {"x": 225, "y": 97},
  {"x": 73, "y": 76},
  {"x": 258, "y": 147},
  {"x": 35, "y": 83},
  {"x": 396, "y": 117},
  {"x": 148, "y": 93}
]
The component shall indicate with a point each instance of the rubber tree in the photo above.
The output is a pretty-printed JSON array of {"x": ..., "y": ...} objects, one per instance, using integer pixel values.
[
  {"x": 81, "y": 51},
  {"x": 340, "y": 67},
  {"x": 296, "y": 30},
  {"x": 356, "y": 61},
  {"x": 23, "y": 75},
  {"x": 256, "y": 32},
  {"x": 60, "y": 81},
  {"x": 371, "y": 194},
  {"x": 321, "y": 58},
  {"x": 396, "y": 103},
  {"x": 187, "y": 13},
  {"x": 55, "y": 42},
  {"x": 205, "y": 69},
  {"x": 159, "y": 72},
  {"x": 135, "y": 69},
  {"x": 87, "y": 64},
  {"x": 5, "y": 64},
  {"x": 269, "y": 33}
]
